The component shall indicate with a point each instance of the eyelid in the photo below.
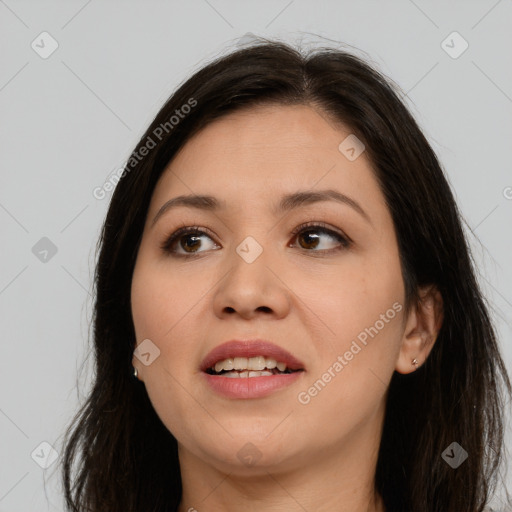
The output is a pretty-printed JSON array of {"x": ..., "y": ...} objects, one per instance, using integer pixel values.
[{"x": 326, "y": 227}]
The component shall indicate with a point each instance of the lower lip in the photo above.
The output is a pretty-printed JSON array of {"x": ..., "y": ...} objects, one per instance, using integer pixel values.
[{"x": 250, "y": 387}]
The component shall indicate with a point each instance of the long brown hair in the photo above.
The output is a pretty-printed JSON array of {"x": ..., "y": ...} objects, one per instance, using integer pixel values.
[{"x": 118, "y": 454}]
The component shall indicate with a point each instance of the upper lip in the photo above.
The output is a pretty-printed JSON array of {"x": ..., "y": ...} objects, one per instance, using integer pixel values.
[{"x": 250, "y": 348}]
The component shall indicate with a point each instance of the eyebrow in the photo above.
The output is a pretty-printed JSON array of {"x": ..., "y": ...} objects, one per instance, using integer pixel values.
[{"x": 287, "y": 203}]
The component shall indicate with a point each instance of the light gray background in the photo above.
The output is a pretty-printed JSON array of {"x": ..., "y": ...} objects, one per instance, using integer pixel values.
[{"x": 71, "y": 119}]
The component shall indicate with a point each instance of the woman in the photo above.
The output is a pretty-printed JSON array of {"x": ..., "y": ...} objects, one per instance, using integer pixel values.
[{"x": 287, "y": 316}]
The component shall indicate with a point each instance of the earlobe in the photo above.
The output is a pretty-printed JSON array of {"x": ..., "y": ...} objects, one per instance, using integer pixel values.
[{"x": 420, "y": 333}]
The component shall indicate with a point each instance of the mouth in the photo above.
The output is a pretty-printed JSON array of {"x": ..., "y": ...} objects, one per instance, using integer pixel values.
[
  {"x": 235, "y": 357},
  {"x": 249, "y": 367}
]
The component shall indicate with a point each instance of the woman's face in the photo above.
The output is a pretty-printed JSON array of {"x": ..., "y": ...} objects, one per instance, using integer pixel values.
[{"x": 336, "y": 307}]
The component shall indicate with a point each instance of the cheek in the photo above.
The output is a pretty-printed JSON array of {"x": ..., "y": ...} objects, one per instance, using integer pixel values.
[
  {"x": 160, "y": 300},
  {"x": 162, "y": 310},
  {"x": 347, "y": 386},
  {"x": 164, "y": 306},
  {"x": 362, "y": 309},
  {"x": 352, "y": 296}
]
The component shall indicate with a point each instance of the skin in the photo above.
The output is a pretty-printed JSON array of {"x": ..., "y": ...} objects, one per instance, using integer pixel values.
[{"x": 317, "y": 456}]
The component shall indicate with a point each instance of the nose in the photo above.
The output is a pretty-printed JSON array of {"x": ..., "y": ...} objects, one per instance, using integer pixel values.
[{"x": 252, "y": 289}]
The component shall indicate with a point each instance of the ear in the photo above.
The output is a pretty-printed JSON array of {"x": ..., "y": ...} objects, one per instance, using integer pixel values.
[{"x": 421, "y": 329}]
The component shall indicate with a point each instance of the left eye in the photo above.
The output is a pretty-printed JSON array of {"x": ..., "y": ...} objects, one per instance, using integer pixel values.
[
  {"x": 188, "y": 239},
  {"x": 311, "y": 235}
]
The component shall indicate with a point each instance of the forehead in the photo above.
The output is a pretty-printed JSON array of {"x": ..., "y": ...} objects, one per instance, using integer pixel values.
[{"x": 256, "y": 155}]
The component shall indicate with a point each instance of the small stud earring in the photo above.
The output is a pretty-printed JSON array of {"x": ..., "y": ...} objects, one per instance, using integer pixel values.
[
  {"x": 136, "y": 373},
  {"x": 415, "y": 362}
]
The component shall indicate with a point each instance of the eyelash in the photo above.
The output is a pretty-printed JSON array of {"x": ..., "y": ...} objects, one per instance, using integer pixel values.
[{"x": 344, "y": 240}]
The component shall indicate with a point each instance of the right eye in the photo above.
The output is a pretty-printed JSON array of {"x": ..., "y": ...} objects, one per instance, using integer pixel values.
[{"x": 187, "y": 238}]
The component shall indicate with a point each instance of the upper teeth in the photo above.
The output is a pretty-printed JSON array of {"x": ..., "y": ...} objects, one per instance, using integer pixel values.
[{"x": 251, "y": 363}]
